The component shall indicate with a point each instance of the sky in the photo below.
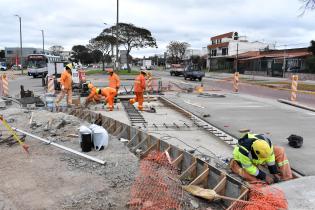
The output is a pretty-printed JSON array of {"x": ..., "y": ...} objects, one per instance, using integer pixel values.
[{"x": 73, "y": 22}]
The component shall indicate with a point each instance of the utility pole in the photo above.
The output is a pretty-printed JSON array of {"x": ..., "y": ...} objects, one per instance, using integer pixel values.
[
  {"x": 236, "y": 69},
  {"x": 43, "y": 41},
  {"x": 284, "y": 60},
  {"x": 117, "y": 29},
  {"x": 21, "y": 54}
]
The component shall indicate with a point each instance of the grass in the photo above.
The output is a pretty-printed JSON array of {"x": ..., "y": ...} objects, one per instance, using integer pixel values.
[
  {"x": 287, "y": 85},
  {"x": 120, "y": 72}
]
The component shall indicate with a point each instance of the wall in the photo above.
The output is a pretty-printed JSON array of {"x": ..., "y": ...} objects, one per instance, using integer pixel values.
[
  {"x": 245, "y": 47},
  {"x": 302, "y": 76},
  {"x": 259, "y": 73}
]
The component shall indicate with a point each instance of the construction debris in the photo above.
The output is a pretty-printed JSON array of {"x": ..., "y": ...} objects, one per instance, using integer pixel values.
[{"x": 74, "y": 182}]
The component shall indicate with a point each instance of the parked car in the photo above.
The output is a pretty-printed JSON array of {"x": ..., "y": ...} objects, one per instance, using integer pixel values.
[
  {"x": 193, "y": 72},
  {"x": 3, "y": 66},
  {"x": 17, "y": 67},
  {"x": 176, "y": 70},
  {"x": 293, "y": 69}
]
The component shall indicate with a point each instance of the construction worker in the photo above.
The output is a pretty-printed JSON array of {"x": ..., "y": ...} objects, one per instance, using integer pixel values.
[
  {"x": 254, "y": 150},
  {"x": 139, "y": 88},
  {"x": 66, "y": 85},
  {"x": 113, "y": 78},
  {"x": 97, "y": 93}
]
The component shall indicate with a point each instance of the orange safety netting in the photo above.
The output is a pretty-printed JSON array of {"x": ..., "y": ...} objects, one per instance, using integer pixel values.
[
  {"x": 263, "y": 197},
  {"x": 156, "y": 186}
]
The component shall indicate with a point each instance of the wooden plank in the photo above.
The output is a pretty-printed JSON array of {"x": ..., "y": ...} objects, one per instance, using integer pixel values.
[
  {"x": 139, "y": 145},
  {"x": 220, "y": 187},
  {"x": 131, "y": 140},
  {"x": 243, "y": 194},
  {"x": 117, "y": 130},
  {"x": 178, "y": 160},
  {"x": 201, "y": 178},
  {"x": 152, "y": 147},
  {"x": 189, "y": 170}
]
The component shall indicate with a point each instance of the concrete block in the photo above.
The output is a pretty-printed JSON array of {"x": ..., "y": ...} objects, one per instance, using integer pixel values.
[{"x": 300, "y": 193}]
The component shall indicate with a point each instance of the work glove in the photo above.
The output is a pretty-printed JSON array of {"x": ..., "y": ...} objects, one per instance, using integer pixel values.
[
  {"x": 277, "y": 178},
  {"x": 269, "y": 179},
  {"x": 62, "y": 87}
]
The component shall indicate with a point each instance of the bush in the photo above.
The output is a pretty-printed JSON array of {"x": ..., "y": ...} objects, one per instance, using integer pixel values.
[{"x": 310, "y": 64}]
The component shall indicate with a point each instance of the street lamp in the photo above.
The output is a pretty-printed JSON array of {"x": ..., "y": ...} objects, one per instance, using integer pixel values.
[
  {"x": 117, "y": 20},
  {"x": 43, "y": 41},
  {"x": 20, "y": 41}
]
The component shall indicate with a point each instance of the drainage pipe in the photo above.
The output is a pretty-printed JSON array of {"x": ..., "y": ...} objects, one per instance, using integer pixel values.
[{"x": 60, "y": 146}]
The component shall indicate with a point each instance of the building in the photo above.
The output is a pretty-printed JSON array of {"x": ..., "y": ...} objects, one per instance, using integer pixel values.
[
  {"x": 12, "y": 54},
  {"x": 273, "y": 62},
  {"x": 192, "y": 52},
  {"x": 225, "y": 47},
  {"x": 65, "y": 55}
]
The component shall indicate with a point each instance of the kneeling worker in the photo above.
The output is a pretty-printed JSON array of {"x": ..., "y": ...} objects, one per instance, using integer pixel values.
[
  {"x": 254, "y": 150},
  {"x": 97, "y": 93}
]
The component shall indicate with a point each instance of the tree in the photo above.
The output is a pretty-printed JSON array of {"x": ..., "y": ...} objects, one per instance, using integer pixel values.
[
  {"x": 132, "y": 37},
  {"x": 310, "y": 61},
  {"x": 2, "y": 54},
  {"x": 312, "y": 47},
  {"x": 97, "y": 56},
  {"x": 103, "y": 44},
  {"x": 307, "y": 5},
  {"x": 56, "y": 49},
  {"x": 176, "y": 51},
  {"x": 78, "y": 53}
]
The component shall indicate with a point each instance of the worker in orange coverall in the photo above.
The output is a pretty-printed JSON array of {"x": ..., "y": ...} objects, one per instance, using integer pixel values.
[
  {"x": 113, "y": 78},
  {"x": 139, "y": 88},
  {"x": 66, "y": 86},
  {"x": 96, "y": 95}
]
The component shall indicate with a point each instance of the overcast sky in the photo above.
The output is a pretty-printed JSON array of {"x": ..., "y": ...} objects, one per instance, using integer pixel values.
[{"x": 73, "y": 22}]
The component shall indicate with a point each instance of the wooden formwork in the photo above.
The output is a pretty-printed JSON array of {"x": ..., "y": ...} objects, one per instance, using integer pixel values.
[{"x": 193, "y": 171}]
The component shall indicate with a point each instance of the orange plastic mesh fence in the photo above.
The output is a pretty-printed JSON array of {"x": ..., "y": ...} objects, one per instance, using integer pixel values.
[
  {"x": 156, "y": 186},
  {"x": 263, "y": 197}
]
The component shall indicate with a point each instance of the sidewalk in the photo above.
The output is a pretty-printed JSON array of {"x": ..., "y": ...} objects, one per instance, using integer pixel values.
[{"x": 221, "y": 75}]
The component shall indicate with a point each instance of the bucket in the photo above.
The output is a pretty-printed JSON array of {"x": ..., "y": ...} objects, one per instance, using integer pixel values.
[
  {"x": 100, "y": 137},
  {"x": 86, "y": 142},
  {"x": 85, "y": 139},
  {"x": 50, "y": 99}
]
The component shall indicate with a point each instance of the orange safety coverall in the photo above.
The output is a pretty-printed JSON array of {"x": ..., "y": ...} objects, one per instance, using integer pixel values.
[
  {"x": 66, "y": 82},
  {"x": 108, "y": 92},
  {"x": 281, "y": 162},
  {"x": 139, "y": 88},
  {"x": 93, "y": 96},
  {"x": 114, "y": 81}
]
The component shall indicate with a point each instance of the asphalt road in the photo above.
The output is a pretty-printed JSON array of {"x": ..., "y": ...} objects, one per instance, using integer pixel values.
[
  {"x": 244, "y": 88},
  {"x": 28, "y": 82}
]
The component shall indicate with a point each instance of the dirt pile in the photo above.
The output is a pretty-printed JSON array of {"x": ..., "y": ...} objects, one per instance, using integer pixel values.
[{"x": 50, "y": 178}]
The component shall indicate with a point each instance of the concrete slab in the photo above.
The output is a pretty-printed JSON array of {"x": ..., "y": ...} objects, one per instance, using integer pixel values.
[
  {"x": 162, "y": 124},
  {"x": 261, "y": 115},
  {"x": 300, "y": 193}
]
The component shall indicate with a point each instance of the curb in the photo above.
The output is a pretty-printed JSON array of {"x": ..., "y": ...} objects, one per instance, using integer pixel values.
[{"x": 296, "y": 105}]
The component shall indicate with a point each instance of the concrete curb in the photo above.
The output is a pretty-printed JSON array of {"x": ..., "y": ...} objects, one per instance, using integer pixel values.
[{"x": 296, "y": 105}]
